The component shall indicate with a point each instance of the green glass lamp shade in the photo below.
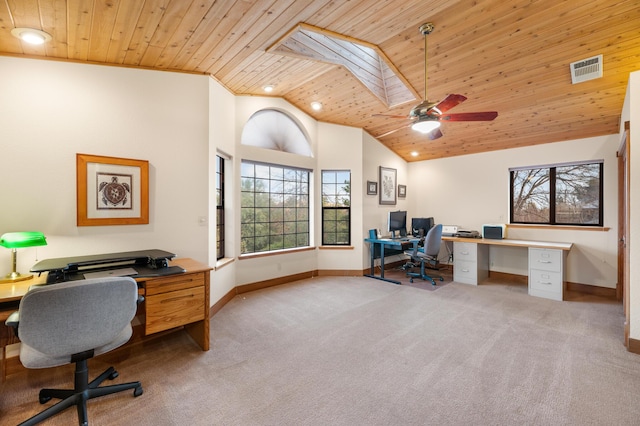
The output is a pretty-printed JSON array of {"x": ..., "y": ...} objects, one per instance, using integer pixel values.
[
  {"x": 22, "y": 239},
  {"x": 16, "y": 240}
]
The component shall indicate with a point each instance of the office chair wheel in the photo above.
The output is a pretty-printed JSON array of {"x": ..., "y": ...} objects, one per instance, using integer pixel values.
[
  {"x": 138, "y": 391},
  {"x": 113, "y": 375},
  {"x": 43, "y": 399},
  {"x": 441, "y": 279}
]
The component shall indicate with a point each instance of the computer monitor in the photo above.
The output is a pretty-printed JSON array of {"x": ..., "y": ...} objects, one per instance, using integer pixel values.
[
  {"x": 397, "y": 222},
  {"x": 421, "y": 224}
]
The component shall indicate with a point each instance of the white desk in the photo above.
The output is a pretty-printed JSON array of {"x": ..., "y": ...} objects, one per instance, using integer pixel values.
[{"x": 546, "y": 263}]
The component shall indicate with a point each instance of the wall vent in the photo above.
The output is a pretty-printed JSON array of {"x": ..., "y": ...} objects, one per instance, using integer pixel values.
[{"x": 586, "y": 69}]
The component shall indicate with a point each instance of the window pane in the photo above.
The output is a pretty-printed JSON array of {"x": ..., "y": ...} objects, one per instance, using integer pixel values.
[
  {"x": 277, "y": 204},
  {"x": 578, "y": 194},
  {"x": 531, "y": 196},
  {"x": 336, "y": 199},
  {"x": 567, "y": 194}
]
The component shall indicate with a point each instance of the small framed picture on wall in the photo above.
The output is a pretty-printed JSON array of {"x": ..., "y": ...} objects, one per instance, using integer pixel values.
[
  {"x": 372, "y": 187},
  {"x": 402, "y": 191}
]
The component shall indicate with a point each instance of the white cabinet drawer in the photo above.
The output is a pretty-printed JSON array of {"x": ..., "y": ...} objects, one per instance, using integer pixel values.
[
  {"x": 545, "y": 259},
  {"x": 465, "y": 272},
  {"x": 545, "y": 284},
  {"x": 465, "y": 251}
]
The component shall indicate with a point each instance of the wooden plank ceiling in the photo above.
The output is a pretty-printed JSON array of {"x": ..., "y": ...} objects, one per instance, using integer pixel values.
[{"x": 507, "y": 56}]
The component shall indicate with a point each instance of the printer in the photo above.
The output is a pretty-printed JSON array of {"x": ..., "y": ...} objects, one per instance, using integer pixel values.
[{"x": 494, "y": 231}]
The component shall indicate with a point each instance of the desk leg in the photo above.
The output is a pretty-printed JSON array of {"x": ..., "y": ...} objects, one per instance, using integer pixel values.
[{"x": 373, "y": 275}]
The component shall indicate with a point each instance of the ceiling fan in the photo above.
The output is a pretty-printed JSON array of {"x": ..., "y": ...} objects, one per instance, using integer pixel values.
[{"x": 427, "y": 115}]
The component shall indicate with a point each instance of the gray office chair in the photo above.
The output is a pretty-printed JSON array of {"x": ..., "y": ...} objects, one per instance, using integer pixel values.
[
  {"x": 429, "y": 256},
  {"x": 71, "y": 322}
]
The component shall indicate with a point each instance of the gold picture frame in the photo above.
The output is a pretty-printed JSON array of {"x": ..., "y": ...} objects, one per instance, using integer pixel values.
[{"x": 111, "y": 191}]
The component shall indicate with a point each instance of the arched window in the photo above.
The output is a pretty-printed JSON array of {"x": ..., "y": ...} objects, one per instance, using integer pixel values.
[{"x": 273, "y": 129}]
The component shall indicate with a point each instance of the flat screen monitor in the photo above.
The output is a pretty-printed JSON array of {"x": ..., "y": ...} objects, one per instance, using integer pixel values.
[
  {"x": 398, "y": 223},
  {"x": 421, "y": 224}
]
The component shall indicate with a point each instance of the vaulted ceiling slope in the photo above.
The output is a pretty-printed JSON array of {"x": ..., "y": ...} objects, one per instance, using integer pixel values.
[{"x": 507, "y": 56}]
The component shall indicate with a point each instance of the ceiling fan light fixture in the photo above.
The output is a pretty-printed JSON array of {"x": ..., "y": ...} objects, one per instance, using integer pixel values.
[
  {"x": 425, "y": 126},
  {"x": 31, "y": 35}
]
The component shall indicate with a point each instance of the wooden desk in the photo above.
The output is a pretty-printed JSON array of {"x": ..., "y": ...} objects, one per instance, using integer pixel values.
[
  {"x": 172, "y": 301},
  {"x": 546, "y": 263}
]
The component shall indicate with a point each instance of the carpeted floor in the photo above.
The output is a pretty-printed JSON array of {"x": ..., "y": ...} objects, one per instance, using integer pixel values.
[
  {"x": 400, "y": 274},
  {"x": 360, "y": 351}
]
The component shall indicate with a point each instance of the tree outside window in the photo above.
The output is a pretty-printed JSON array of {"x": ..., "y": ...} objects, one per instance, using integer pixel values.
[
  {"x": 274, "y": 207},
  {"x": 336, "y": 207},
  {"x": 567, "y": 194}
]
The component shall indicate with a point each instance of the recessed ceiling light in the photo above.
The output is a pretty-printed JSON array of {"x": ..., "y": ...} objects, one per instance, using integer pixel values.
[
  {"x": 30, "y": 35},
  {"x": 414, "y": 154},
  {"x": 316, "y": 106},
  {"x": 268, "y": 88}
]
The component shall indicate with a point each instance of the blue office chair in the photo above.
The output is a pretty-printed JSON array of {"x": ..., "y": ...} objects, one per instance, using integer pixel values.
[
  {"x": 427, "y": 255},
  {"x": 71, "y": 322}
]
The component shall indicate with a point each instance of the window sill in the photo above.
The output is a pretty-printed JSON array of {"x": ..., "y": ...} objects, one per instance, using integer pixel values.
[
  {"x": 561, "y": 227},
  {"x": 223, "y": 262},
  {"x": 274, "y": 253},
  {"x": 335, "y": 248}
]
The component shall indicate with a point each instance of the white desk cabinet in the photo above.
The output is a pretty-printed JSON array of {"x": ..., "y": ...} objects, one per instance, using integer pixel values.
[
  {"x": 546, "y": 273},
  {"x": 546, "y": 263},
  {"x": 470, "y": 262}
]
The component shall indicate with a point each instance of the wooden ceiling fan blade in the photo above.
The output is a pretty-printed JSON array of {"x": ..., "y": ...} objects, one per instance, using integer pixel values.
[
  {"x": 470, "y": 116},
  {"x": 449, "y": 102},
  {"x": 392, "y": 131}
]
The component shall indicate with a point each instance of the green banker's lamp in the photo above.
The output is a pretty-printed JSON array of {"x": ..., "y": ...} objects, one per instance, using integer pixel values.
[{"x": 14, "y": 241}]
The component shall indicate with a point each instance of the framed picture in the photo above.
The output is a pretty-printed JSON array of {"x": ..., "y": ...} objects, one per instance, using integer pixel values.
[
  {"x": 372, "y": 187},
  {"x": 387, "y": 185},
  {"x": 402, "y": 191},
  {"x": 111, "y": 191}
]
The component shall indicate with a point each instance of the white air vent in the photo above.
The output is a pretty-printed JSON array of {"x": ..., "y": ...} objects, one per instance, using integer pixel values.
[{"x": 586, "y": 69}]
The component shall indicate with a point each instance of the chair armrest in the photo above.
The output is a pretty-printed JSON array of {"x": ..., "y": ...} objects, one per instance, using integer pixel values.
[{"x": 13, "y": 321}]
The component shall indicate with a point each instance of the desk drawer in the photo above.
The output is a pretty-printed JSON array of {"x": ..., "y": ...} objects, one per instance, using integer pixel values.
[
  {"x": 545, "y": 284},
  {"x": 545, "y": 259},
  {"x": 465, "y": 272},
  {"x": 173, "y": 282},
  {"x": 465, "y": 251},
  {"x": 173, "y": 309}
]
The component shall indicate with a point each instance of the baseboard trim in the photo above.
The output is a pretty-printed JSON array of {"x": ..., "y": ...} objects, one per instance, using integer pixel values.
[
  {"x": 606, "y": 292},
  {"x": 245, "y": 288},
  {"x": 634, "y": 346}
]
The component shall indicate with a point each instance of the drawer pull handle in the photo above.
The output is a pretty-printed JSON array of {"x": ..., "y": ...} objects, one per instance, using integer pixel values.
[
  {"x": 173, "y": 299},
  {"x": 544, "y": 282},
  {"x": 465, "y": 270},
  {"x": 544, "y": 261},
  {"x": 464, "y": 252}
]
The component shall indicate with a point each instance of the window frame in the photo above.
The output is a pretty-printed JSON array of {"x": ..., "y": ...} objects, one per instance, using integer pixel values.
[
  {"x": 326, "y": 209},
  {"x": 278, "y": 231},
  {"x": 220, "y": 217},
  {"x": 553, "y": 185}
]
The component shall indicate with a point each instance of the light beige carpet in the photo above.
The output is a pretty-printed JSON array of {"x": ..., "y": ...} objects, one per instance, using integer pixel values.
[{"x": 358, "y": 351}]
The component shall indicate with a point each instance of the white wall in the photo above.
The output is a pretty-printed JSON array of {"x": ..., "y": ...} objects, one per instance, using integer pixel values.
[
  {"x": 631, "y": 113},
  {"x": 374, "y": 214},
  {"x": 472, "y": 190},
  {"x": 340, "y": 148},
  {"x": 51, "y": 110}
]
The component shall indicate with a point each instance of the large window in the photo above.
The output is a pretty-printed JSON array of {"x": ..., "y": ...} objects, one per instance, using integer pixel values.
[
  {"x": 274, "y": 207},
  {"x": 219, "y": 207},
  {"x": 563, "y": 194},
  {"x": 336, "y": 207}
]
